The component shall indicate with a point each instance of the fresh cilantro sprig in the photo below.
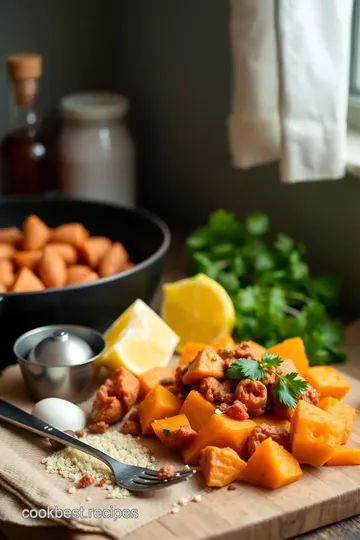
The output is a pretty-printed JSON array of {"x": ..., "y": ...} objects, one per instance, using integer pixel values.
[
  {"x": 287, "y": 388},
  {"x": 274, "y": 294}
]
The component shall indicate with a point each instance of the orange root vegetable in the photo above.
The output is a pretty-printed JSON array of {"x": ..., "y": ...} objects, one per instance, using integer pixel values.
[
  {"x": 11, "y": 235},
  {"x": 271, "y": 466},
  {"x": 314, "y": 434},
  {"x": 70, "y": 233},
  {"x": 94, "y": 250},
  {"x": 342, "y": 412},
  {"x": 222, "y": 431},
  {"x": 6, "y": 251},
  {"x": 206, "y": 364},
  {"x": 293, "y": 348},
  {"x": 114, "y": 260},
  {"x": 197, "y": 410},
  {"x": 327, "y": 381},
  {"x": 36, "y": 233},
  {"x": 287, "y": 366},
  {"x": 7, "y": 276},
  {"x": 191, "y": 349},
  {"x": 345, "y": 455},
  {"x": 163, "y": 428},
  {"x": 26, "y": 281},
  {"x": 52, "y": 269},
  {"x": 271, "y": 420},
  {"x": 159, "y": 403},
  {"x": 29, "y": 259},
  {"x": 3, "y": 289},
  {"x": 157, "y": 375},
  {"x": 83, "y": 278},
  {"x": 76, "y": 273},
  {"x": 259, "y": 349},
  {"x": 220, "y": 466},
  {"x": 66, "y": 251},
  {"x": 226, "y": 342}
]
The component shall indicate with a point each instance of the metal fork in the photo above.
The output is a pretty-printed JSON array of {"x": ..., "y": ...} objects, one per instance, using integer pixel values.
[{"x": 128, "y": 476}]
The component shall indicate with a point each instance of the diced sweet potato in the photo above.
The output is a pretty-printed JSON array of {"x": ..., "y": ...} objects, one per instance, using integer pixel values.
[
  {"x": 345, "y": 455},
  {"x": 293, "y": 348},
  {"x": 26, "y": 281},
  {"x": 287, "y": 366},
  {"x": 36, "y": 233},
  {"x": 220, "y": 430},
  {"x": 206, "y": 364},
  {"x": 314, "y": 434},
  {"x": 158, "y": 403},
  {"x": 260, "y": 350},
  {"x": 7, "y": 276},
  {"x": 220, "y": 466},
  {"x": 154, "y": 376},
  {"x": 197, "y": 410},
  {"x": 27, "y": 258},
  {"x": 94, "y": 249},
  {"x": 70, "y": 233},
  {"x": 342, "y": 412},
  {"x": 271, "y": 420},
  {"x": 271, "y": 466},
  {"x": 163, "y": 428},
  {"x": 327, "y": 381},
  {"x": 226, "y": 342},
  {"x": 11, "y": 235},
  {"x": 190, "y": 350}
]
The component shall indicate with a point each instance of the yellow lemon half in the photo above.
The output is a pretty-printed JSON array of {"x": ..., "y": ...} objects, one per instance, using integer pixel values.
[{"x": 198, "y": 309}]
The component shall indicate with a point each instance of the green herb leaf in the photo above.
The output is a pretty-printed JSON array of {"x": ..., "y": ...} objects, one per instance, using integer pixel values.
[
  {"x": 271, "y": 360},
  {"x": 284, "y": 244},
  {"x": 167, "y": 432},
  {"x": 288, "y": 388},
  {"x": 229, "y": 281},
  {"x": 246, "y": 369},
  {"x": 257, "y": 223}
]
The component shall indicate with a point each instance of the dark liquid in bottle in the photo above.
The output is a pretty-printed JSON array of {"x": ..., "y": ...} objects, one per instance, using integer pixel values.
[{"x": 28, "y": 162}]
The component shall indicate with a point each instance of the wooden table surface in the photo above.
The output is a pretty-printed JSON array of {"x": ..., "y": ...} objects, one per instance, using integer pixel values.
[{"x": 348, "y": 529}]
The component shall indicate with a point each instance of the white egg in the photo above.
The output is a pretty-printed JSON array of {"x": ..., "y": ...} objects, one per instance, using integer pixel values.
[{"x": 60, "y": 414}]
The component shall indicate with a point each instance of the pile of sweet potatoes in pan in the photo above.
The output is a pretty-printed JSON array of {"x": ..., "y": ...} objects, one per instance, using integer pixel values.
[{"x": 39, "y": 257}]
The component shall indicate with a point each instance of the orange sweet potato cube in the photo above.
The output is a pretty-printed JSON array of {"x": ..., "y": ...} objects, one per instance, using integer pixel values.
[
  {"x": 190, "y": 350},
  {"x": 222, "y": 431},
  {"x": 163, "y": 428},
  {"x": 154, "y": 376},
  {"x": 197, "y": 409},
  {"x": 327, "y": 381},
  {"x": 158, "y": 403},
  {"x": 220, "y": 466},
  {"x": 206, "y": 364},
  {"x": 271, "y": 466},
  {"x": 294, "y": 349},
  {"x": 226, "y": 342},
  {"x": 345, "y": 455},
  {"x": 314, "y": 434},
  {"x": 342, "y": 412}
]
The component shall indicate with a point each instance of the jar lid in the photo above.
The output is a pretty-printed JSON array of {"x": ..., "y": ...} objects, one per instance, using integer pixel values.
[
  {"x": 24, "y": 66},
  {"x": 61, "y": 349},
  {"x": 94, "y": 106}
]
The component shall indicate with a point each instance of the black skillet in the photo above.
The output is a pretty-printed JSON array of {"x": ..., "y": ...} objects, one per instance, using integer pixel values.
[{"x": 95, "y": 304}]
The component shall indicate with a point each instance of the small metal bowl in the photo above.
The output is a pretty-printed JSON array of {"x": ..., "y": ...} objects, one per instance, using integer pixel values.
[{"x": 66, "y": 379}]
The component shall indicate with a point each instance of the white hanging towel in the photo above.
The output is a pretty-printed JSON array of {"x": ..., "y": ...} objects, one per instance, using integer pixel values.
[{"x": 290, "y": 86}]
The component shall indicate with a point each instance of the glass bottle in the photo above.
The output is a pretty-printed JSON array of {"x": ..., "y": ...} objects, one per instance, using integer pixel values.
[{"x": 28, "y": 161}]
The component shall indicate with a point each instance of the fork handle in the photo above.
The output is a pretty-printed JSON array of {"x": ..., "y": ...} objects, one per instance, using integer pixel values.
[{"x": 20, "y": 418}]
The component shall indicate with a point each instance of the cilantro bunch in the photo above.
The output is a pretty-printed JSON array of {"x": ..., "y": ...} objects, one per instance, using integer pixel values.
[{"x": 274, "y": 294}]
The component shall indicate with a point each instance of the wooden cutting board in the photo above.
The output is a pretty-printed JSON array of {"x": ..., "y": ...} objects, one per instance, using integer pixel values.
[{"x": 322, "y": 496}]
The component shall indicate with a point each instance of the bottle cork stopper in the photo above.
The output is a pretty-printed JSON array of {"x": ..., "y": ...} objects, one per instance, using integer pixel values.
[{"x": 24, "y": 66}]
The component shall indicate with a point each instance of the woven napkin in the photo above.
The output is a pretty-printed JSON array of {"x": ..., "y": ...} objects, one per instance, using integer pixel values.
[{"x": 24, "y": 484}]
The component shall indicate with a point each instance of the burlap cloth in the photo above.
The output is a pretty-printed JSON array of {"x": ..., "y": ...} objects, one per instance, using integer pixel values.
[{"x": 25, "y": 484}]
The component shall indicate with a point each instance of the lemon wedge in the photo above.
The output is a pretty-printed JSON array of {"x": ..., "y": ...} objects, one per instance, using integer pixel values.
[
  {"x": 138, "y": 340},
  {"x": 198, "y": 309}
]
